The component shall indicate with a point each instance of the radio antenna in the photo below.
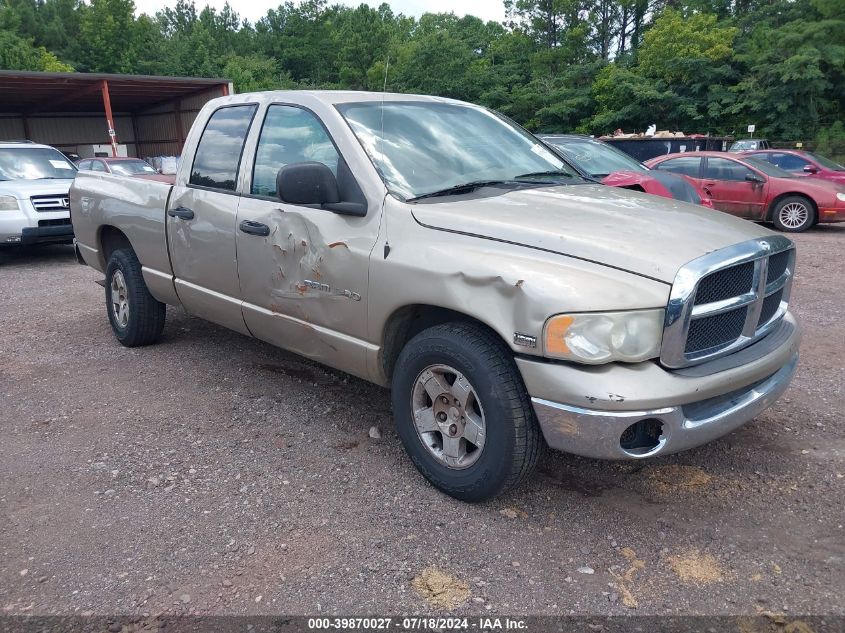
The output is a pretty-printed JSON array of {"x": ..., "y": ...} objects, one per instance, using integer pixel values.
[{"x": 381, "y": 151}]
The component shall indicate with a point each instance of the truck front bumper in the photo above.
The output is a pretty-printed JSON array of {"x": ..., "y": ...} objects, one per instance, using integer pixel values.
[{"x": 648, "y": 411}]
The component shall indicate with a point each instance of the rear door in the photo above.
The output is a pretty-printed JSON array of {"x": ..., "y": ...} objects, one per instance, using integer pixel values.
[
  {"x": 201, "y": 226},
  {"x": 303, "y": 269},
  {"x": 726, "y": 181}
]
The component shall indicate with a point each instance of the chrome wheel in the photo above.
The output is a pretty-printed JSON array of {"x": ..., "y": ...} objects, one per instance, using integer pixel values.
[
  {"x": 119, "y": 299},
  {"x": 448, "y": 416},
  {"x": 794, "y": 215}
]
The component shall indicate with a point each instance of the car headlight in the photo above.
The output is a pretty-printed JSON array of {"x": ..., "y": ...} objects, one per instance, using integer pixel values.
[
  {"x": 840, "y": 197},
  {"x": 604, "y": 337},
  {"x": 8, "y": 203}
]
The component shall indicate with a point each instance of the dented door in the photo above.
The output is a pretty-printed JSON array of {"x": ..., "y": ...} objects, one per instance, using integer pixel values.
[{"x": 304, "y": 282}]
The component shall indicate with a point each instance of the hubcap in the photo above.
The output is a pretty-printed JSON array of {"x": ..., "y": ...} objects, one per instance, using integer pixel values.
[
  {"x": 794, "y": 214},
  {"x": 119, "y": 298},
  {"x": 448, "y": 416}
]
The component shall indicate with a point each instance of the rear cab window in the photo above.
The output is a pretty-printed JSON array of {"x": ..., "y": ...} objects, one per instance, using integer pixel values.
[{"x": 218, "y": 156}]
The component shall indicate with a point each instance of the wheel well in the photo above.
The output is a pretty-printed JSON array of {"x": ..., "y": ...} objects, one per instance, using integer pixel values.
[
  {"x": 770, "y": 213},
  {"x": 409, "y": 321},
  {"x": 111, "y": 239}
]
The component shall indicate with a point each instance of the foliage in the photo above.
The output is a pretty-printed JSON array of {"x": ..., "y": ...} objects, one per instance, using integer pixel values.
[{"x": 553, "y": 65}]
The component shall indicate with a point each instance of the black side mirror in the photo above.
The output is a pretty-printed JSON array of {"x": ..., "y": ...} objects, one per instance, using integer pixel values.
[
  {"x": 754, "y": 178},
  {"x": 307, "y": 183},
  {"x": 810, "y": 169}
]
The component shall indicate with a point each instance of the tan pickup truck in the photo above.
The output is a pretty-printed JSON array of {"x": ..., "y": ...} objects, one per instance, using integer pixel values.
[{"x": 435, "y": 247}]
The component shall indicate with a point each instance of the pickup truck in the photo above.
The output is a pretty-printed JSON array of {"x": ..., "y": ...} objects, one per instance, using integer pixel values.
[{"x": 437, "y": 248}]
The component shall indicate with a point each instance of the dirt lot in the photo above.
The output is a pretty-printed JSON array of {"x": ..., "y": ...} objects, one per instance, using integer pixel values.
[{"x": 214, "y": 474}]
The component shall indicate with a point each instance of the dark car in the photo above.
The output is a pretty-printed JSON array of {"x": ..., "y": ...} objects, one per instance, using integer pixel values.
[
  {"x": 804, "y": 164},
  {"x": 752, "y": 188},
  {"x": 613, "y": 167}
]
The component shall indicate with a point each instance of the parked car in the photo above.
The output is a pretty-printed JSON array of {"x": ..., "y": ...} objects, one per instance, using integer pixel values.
[
  {"x": 435, "y": 247},
  {"x": 34, "y": 183},
  {"x": 134, "y": 167},
  {"x": 749, "y": 144},
  {"x": 801, "y": 163},
  {"x": 613, "y": 167},
  {"x": 752, "y": 188}
]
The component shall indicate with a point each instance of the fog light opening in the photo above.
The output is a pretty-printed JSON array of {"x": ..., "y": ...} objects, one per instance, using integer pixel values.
[{"x": 642, "y": 437}]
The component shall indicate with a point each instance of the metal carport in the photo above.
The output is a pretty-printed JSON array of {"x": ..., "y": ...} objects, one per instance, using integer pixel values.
[{"x": 149, "y": 114}]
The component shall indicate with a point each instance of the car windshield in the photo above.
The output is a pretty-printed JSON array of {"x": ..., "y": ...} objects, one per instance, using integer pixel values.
[
  {"x": 594, "y": 157},
  {"x": 131, "y": 167},
  {"x": 766, "y": 167},
  {"x": 739, "y": 146},
  {"x": 826, "y": 162},
  {"x": 34, "y": 163},
  {"x": 421, "y": 147}
]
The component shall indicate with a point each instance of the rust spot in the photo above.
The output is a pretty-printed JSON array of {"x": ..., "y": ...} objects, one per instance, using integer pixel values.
[
  {"x": 280, "y": 249},
  {"x": 301, "y": 288},
  {"x": 304, "y": 243},
  {"x": 335, "y": 244}
]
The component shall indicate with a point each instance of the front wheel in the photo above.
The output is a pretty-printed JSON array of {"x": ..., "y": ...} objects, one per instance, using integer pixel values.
[
  {"x": 794, "y": 214},
  {"x": 136, "y": 317},
  {"x": 462, "y": 411}
]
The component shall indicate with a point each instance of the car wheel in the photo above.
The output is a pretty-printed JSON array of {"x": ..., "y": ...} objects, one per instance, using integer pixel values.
[
  {"x": 794, "y": 214},
  {"x": 136, "y": 317},
  {"x": 462, "y": 411}
]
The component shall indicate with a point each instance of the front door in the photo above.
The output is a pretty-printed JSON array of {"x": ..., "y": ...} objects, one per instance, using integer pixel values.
[
  {"x": 201, "y": 223},
  {"x": 726, "y": 182},
  {"x": 303, "y": 270}
]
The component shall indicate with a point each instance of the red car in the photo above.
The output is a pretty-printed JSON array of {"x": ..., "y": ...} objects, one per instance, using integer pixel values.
[
  {"x": 612, "y": 167},
  {"x": 134, "y": 167},
  {"x": 752, "y": 188},
  {"x": 801, "y": 163}
]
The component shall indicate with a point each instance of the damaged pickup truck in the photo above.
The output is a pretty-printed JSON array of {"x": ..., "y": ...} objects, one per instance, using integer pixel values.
[{"x": 435, "y": 247}]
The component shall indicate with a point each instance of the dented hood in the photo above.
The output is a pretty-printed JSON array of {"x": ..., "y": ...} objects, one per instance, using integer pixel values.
[{"x": 632, "y": 231}]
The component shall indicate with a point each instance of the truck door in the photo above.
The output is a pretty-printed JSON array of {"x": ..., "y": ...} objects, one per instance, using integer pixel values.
[
  {"x": 201, "y": 223},
  {"x": 303, "y": 270}
]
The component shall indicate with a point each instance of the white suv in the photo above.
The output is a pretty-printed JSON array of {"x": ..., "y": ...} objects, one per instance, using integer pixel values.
[{"x": 34, "y": 183}]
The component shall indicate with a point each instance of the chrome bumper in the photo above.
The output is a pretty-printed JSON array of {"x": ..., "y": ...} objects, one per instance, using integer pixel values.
[{"x": 597, "y": 433}]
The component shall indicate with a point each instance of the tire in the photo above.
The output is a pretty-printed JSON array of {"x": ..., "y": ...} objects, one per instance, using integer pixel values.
[
  {"x": 486, "y": 379},
  {"x": 794, "y": 214},
  {"x": 136, "y": 317}
]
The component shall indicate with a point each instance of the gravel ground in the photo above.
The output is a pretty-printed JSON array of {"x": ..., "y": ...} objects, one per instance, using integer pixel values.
[{"x": 214, "y": 474}]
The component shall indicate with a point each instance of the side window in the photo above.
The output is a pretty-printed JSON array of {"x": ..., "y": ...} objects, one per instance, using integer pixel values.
[
  {"x": 289, "y": 135},
  {"x": 789, "y": 162},
  {"x": 84, "y": 165},
  {"x": 724, "y": 169},
  {"x": 220, "y": 147},
  {"x": 687, "y": 165},
  {"x": 97, "y": 165}
]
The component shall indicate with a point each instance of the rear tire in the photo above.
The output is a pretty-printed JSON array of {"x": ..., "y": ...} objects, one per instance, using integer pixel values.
[
  {"x": 794, "y": 214},
  {"x": 136, "y": 317},
  {"x": 432, "y": 423}
]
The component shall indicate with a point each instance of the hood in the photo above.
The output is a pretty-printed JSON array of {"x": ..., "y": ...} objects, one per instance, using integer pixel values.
[
  {"x": 629, "y": 230},
  {"x": 23, "y": 189}
]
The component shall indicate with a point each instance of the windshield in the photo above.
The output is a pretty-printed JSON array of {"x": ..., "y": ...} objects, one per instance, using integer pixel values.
[
  {"x": 739, "y": 146},
  {"x": 826, "y": 162},
  {"x": 766, "y": 167},
  {"x": 596, "y": 158},
  {"x": 34, "y": 163},
  {"x": 427, "y": 146},
  {"x": 131, "y": 167}
]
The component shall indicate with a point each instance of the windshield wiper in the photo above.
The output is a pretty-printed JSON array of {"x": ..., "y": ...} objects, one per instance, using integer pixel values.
[
  {"x": 467, "y": 186},
  {"x": 557, "y": 173}
]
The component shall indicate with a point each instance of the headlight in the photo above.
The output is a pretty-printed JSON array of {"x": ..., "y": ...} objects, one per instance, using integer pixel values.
[
  {"x": 8, "y": 203},
  {"x": 604, "y": 337},
  {"x": 840, "y": 197}
]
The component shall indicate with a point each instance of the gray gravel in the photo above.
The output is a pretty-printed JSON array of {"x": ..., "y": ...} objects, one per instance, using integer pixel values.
[{"x": 214, "y": 474}]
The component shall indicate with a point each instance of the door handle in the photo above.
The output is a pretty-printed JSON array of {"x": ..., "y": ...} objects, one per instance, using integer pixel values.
[
  {"x": 254, "y": 228},
  {"x": 181, "y": 212}
]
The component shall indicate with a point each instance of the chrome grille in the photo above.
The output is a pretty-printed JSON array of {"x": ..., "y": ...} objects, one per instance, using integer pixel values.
[
  {"x": 726, "y": 300},
  {"x": 59, "y": 202}
]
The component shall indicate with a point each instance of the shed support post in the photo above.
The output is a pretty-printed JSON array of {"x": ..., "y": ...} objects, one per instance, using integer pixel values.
[
  {"x": 104, "y": 87},
  {"x": 180, "y": 129}
]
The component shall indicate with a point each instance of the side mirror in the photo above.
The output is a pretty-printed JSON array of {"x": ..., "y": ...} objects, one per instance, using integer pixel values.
[
  {"x": 307, "y": 183},
  {"x": 811, "y": 169},
  {"x": 754, "y": 178}
]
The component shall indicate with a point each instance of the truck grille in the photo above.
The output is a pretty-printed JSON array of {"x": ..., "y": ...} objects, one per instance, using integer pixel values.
[
  {"x": 59, "y": 202},
  {"x": 726, "y": 300}
]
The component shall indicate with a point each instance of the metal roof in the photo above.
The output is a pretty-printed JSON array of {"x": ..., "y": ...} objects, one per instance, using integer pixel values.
[{"x": 31, "y": 92}]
